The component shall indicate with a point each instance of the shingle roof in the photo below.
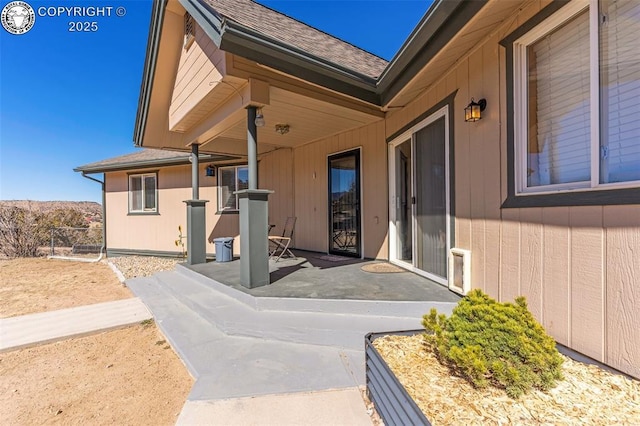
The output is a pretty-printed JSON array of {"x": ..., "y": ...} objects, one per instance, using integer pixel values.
[
  {"x": 142, "y": 158},
  {"x": 299, "y": 35}
]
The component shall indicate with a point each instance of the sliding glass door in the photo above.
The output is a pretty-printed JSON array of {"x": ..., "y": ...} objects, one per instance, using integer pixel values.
[{"x": 419, "y": 188}]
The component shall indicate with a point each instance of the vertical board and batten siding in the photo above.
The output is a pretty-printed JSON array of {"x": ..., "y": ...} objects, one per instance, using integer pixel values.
[
  {"x": 579, "y": 267},
  {"x": 275, "y": 172},
  {"x": 311, "y": 189}
]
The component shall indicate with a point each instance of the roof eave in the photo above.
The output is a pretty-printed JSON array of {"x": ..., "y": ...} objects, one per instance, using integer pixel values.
[
  {"x": 238, "y": 39},
  {"x": 443, "y": 20},
  {"x": 142, "y": 164},
  {"x": 250, "y": 44},
  {"x": 146, "y": 86}
]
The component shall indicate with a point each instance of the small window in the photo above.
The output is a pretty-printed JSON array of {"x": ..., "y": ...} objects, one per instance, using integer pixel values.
[
  {"x": 577, "y": 95},
  {"x": 231, "y": 179},
  {"x": 143, "y": 193},
  {"x": 189, "y": 30}
]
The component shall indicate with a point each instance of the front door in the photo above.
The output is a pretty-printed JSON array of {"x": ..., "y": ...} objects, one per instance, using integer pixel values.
[
  {"x": 419, "y": 212},
  {"x": 344, "y": 203}
]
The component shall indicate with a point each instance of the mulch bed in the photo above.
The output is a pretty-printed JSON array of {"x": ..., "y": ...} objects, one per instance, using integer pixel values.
[{"x": 588, "y": 395}]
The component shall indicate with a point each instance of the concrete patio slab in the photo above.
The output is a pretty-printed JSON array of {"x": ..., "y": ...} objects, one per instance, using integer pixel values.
[
  {"x": 318, "y": 276},
  {"x": 331, "y": 407},
  {"x": 29, "y": 330}
]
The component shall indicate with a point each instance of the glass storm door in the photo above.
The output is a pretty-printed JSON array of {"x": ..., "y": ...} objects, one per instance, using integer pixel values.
[
  {"x": 344, "y": 204},
  {"x": 419, "y": 187}
]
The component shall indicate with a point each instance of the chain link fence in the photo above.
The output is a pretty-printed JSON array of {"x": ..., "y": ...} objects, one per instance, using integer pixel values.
[{"x": 76, "y": 242}]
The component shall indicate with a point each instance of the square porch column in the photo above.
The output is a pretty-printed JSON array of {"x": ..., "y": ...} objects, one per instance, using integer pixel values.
[
  {"x": 254, "y": 241},
  {"x": 196, "y": 216},
  {"x": 196, "y": 232}
]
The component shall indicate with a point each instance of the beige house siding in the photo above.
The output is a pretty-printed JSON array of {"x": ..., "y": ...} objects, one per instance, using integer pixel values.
[
  {"x": 577, "y": 266},
  {"x": 311, "y": 189},
  {"x": 157, "y": 232},
  {"x": 169, "y": 51},
  {"x": 154, "y": 232},
  {"x": 200, "y": 69},
  {"x": 275, "y": 172}
]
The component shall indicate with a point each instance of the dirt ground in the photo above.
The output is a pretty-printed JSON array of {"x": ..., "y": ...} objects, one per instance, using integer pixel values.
[
  {"x": 128, "y": 376},
  {"x": 38, "y": 285}
]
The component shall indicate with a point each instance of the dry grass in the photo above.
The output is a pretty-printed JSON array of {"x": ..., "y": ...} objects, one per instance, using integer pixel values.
[
  {"x": 588, "y": 395},
  {"x": 128, "y": 376},
  {"x": 37, "y": 285}
]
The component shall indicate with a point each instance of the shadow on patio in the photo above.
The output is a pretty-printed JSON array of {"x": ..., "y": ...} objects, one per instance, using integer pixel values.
[{"x": 320, "y": 276}]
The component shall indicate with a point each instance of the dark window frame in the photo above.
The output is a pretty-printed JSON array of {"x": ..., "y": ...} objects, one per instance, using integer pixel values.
[{"x": 583, "y": 197}]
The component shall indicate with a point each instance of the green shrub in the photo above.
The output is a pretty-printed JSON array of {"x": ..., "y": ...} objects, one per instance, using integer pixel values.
[{"x": 494, "y": 343}]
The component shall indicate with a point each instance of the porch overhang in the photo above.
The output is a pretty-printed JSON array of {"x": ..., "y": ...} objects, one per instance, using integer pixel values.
[{"x": 443, "y": 20}]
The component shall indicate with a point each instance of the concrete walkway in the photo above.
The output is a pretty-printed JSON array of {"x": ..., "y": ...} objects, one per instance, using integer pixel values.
[
  {"x": 334, "y": 407},
  {"x": 276, "y": 361},
  {"x": 34, "y": 329},
  {"x": 240, "y": 380}
]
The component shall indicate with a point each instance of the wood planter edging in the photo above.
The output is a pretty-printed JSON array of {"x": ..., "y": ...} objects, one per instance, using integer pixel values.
[{"x": 393, "y": 403}]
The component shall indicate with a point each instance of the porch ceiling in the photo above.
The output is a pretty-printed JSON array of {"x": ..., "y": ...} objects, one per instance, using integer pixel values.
[
  {"x": 309, "y": 120},
  {"x": 481, "y": 26}
]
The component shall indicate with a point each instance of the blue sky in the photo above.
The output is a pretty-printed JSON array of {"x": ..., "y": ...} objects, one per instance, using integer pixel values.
[{"x": 70, "y": 98}]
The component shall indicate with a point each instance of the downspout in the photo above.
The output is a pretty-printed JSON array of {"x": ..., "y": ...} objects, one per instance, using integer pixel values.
[{"x": 104, "y": 209}]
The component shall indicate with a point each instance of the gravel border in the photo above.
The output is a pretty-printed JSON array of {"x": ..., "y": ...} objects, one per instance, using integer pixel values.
[{"x": 140, "y": 266}]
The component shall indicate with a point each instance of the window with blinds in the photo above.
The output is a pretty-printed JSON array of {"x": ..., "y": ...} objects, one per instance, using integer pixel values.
[
  {"x": 619, "y": 91},
  {"x": 143, "y": 193},
  {"x": 578, "y": 121}
]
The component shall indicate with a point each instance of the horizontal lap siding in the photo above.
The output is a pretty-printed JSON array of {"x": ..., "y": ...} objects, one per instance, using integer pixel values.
[
  {"x": 199, "y": 66},
  {"x": 579, "y": 267}
]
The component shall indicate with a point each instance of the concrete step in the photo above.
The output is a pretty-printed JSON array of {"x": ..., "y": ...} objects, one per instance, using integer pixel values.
[
  {"x": 236, "y": 318},
  {"x": 337, "y": 306},
  {"x": 232, "y": 367}
]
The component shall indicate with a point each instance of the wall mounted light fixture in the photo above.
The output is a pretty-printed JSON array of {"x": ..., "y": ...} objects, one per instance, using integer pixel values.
[
  {"x": 473, "y": 111},
  {"x": 210, "y": 170},
  {"x": 282, "y": 128},
  {"x": 259, "y": 118}
]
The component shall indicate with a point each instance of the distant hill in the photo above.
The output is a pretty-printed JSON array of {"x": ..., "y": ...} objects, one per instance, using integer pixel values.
[{"x": 90, "y": 209}]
